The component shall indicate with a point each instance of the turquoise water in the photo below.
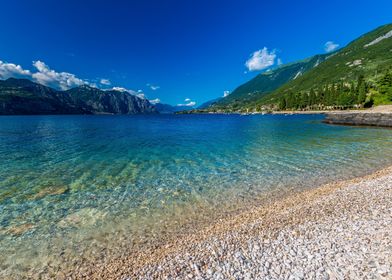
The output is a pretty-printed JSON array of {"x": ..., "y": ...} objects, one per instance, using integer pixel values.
[{"x": 74, "y": 186}]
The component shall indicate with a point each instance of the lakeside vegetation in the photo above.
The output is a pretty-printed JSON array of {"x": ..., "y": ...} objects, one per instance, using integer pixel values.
[{"x": 360, "y": 94}]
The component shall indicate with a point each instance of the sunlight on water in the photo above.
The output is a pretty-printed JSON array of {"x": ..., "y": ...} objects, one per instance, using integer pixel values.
[{"x": 74, "y": 187}]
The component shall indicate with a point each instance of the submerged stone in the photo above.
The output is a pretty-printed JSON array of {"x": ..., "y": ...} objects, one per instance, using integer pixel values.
[
  {"x": 83, "y": 218},
  {"x": 20, "y": 229},
  {"x": 50, "y": 191}
]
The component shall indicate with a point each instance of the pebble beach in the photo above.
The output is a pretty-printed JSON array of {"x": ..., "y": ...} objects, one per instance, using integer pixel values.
[{"x": 342, "y": 230}]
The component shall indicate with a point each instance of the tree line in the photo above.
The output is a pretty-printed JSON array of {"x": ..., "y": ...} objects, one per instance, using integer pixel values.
[{"x": 341, "y": 95}]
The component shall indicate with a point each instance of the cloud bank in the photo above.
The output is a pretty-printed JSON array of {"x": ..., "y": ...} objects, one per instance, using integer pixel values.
[
  {"x": 59, "y": 80},
  {"x": 10, "y": 70},
  {"x": 43, "y": 75}
]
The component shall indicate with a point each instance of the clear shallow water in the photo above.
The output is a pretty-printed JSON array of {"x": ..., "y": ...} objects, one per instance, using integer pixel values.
[{"x": 74, "y": 187}]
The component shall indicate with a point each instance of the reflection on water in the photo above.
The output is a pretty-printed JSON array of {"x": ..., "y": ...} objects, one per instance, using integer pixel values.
[{"x": 75, "y": 187}]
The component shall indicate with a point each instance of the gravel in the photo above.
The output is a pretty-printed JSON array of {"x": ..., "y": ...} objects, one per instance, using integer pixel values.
[
  {"x": 338, "y": 231},
  {"x": 341, "y": 230}
]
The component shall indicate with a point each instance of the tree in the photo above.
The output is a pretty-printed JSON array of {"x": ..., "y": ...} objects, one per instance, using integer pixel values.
[
  {"x": 386, "y": 80},
  {"x": 312, "y": 97},
  {"x": 359, "y": 90},
  {"x": 304, "y": 100},
  {"x": 362, "y": 92},
  {"x": 385, "y": 85},
  {"x": 282, "y": 103}
]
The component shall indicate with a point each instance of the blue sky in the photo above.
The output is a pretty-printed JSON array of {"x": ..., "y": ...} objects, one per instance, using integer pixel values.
[{"x": 177, "y": 51}]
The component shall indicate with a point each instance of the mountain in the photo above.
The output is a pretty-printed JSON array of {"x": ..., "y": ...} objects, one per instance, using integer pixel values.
[
  {"x": 22, "y": 96},
  {"x": 355, "y": 76},
  {"x": 209, "y": 103},
  {"x": 365, "y": 62},
  {"x": 267, "y": 82},
  {"x": 98, "y": 101},
  {"x": 169, "y": 109},
  {"x": 164, "y": 108}
]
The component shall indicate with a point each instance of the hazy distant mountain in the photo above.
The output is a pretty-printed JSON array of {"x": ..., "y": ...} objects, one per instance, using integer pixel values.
[
  {"x": 21, "y": 96},
  {"x": 169, "y": 109},
  {"x": 209, "y": 103}
]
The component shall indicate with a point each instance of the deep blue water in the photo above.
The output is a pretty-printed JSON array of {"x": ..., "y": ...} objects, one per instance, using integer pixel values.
[{"x": 67, "y": 180}]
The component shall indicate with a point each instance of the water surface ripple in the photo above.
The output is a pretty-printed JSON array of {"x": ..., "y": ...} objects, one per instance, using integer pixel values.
[{"x": 77, "y": 186}]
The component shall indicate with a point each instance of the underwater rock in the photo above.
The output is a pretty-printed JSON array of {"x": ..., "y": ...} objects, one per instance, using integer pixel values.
[
  {"x": 83, "y": 218},
  {"x": 50, "y": 191},
  {"x": 20, "y": 229}
]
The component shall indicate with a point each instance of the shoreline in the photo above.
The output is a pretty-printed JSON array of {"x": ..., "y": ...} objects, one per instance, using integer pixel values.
[
  {"x": 226, "y": 242},
  {"x": 387, "y": 109}
]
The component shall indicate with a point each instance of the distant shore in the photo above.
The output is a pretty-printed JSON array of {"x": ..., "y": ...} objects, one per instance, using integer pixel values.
[
  {"x": 376, "y": 109},
  {"x": 339, "y": 230}
]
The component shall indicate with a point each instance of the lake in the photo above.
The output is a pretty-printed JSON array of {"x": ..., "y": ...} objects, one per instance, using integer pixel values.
[{"x": 74, "y": 187}]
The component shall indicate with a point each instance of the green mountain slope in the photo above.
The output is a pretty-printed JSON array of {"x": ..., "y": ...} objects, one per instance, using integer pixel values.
[
  {"x": 367, "y": 59},
  {"x": 355, "y": 76},
  {"x": 266, "y": 82}
]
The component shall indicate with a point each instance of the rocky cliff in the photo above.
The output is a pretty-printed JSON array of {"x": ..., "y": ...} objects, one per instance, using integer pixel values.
[{"x": 24, "y": 97}]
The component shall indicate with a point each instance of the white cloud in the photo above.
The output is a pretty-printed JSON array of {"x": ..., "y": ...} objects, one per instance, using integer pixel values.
[
  {"x": 188, "y": 103},
  {"x": 138, "y": 93},
  {"x": 153, "y": 87},
  {"x": 105, "y": 82},
  {"x": 121, "y": 89},
  {"x": 330, "y": 46},
  {"x": 155, "y": 101},
  {"x": 44, "y": 75},
  {"x": 10, "y": 70},
  {"x": 261, "y": 59},
  {"x": 59, "y": 80},
  {"x": 280, "y": 62},
  {"x": 226, "y": 93}
]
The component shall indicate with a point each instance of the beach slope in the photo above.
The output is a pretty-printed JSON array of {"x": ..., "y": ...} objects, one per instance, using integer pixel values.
[{"x": 338, "y": 231}]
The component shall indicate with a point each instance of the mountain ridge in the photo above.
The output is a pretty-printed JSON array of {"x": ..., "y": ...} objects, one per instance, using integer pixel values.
[
  {"x": 362, "y": 57},
  {"x": 22, "y": 96}
]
